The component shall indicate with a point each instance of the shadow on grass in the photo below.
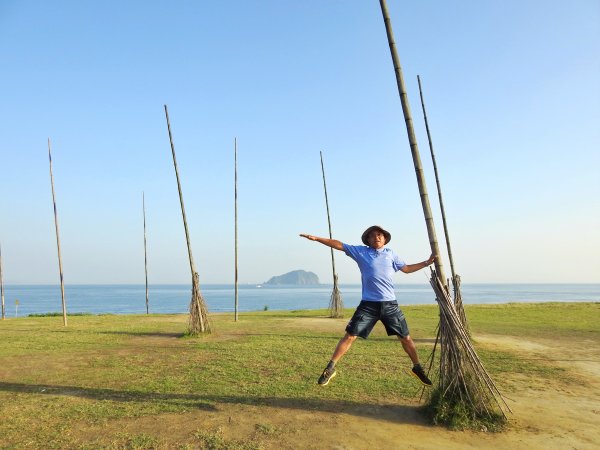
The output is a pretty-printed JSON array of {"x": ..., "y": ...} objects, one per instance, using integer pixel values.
[
  {"x": 336, "y": 337},
  {"x": 424, "y": 341},
  {"x": 286, "y": 314},
  {"x": 405, "y": 414},
  {"x": 145, "y": 334}
]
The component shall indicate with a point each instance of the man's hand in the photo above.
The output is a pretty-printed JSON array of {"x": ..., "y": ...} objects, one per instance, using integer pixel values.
[
  {"x": 333, "y": 243},
  {"x": 430, "y": 260}
]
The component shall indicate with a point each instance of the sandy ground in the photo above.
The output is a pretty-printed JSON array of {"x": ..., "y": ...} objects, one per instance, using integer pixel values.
[{"x": 546, "y": 415}]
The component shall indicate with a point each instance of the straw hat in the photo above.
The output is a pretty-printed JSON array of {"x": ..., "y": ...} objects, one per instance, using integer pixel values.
[{"x": 365, "y": 235}]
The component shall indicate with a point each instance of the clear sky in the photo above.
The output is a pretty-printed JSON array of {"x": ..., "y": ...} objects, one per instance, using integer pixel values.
[{"x": 512, "y": 90}]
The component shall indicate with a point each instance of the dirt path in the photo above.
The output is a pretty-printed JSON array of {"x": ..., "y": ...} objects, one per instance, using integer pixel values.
[{"x": 545, "y": 415}]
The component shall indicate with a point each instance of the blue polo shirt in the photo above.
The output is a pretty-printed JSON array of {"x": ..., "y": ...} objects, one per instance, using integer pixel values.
[{"x": 377, "y": 268}]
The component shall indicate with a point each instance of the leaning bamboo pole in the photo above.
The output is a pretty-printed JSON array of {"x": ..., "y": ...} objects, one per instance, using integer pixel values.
[
  {"x": 437, "y": 179},
  {"x": 60, "y": 268},
  {"x": 145, "y": 253},
  {"x": 198, "y": 320},
  {"x": 458, "y": 304},
  {"x": 461, "y": 390},
  {"x": 413, "y": 145},
  {"x": 2, "y": 287},
  {"x": 336, "y": 304},
  {"x": 235, "y": 202}
]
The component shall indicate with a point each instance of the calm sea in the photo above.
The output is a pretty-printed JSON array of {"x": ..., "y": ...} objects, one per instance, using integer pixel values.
[{"x": 131, "y": 299}]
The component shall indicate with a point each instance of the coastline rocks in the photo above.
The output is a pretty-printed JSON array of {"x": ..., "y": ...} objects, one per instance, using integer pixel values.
[{"x": 295, "y": 277}]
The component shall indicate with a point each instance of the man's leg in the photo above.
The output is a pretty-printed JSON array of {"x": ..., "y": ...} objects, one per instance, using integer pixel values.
[
  {"x": 411, "y": 350},
  {"x": 362, "y": 322},
  {"x": 395, "y": 324},
  {"x": 342, "y": 347},
  {"x": 409, "y": 347}
]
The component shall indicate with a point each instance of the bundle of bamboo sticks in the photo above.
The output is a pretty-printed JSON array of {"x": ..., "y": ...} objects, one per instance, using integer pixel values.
[{"x": 462, "y": 377}]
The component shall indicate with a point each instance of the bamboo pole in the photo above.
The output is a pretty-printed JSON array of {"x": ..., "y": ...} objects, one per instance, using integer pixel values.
[
  {"x": 437, "y": 180},
  {"x": 60, "y": 268},
  {"x": 413, "y": 144},
  {"x": 2, "y": 287},
  {"x": 198, "y": 321},
  {"x": 145, "y": 253},
  {"x": 187, "y": 234},
  {"x": 455, "y": 277},
  {"x": 336, "y": 304},
  {"x": 235, "y": 194},
  {"x": 463, "y": 385}
]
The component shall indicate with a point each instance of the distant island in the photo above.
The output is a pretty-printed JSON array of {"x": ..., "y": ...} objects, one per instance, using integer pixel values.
[{"x": 295, "y": 277}]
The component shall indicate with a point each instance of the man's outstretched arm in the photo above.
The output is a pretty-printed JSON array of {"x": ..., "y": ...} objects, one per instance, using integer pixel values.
[
  {"x": 333, "y": 243},
  {"x": 410, "y": 268}
]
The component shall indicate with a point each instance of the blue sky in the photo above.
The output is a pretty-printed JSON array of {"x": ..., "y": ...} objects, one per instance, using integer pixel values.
[{"x": 512, "y": 91}]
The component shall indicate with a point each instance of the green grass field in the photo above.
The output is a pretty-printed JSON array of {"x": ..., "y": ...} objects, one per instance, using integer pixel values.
[{"x": 56, "y": 382}]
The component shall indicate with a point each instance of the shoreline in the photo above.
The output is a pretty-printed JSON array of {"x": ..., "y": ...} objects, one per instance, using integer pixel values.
[
  {"x": 314, "y": 312},
  {"x": 174, "y": 299}
]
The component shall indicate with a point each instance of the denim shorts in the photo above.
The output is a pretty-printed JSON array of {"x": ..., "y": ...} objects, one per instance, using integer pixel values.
[{"x": 368, "y": 313}]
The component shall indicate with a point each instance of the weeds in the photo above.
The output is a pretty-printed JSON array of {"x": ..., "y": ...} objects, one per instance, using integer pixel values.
[
  {"x": 216, "y": 441},
  {"x": 456, "y": 414}
]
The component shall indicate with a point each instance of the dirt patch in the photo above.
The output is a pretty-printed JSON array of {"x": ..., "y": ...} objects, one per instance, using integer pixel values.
[{"x": 582, "y": 355}]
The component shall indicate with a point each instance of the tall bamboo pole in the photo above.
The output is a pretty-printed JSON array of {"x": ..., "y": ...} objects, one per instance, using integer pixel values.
[
  {"x": 2, "y": 286},
  {"x": 433, "y": 243},
  {"x": 187, "y": 234},
  {"x": 328, "y": 216},
  {"x": 336, "y": 305},
  {"x": 60, "y": 268},
  {"x": 198, "y": 322},
  {"x": 437, "y": 180},
  {"x": 145, "y": 253},
  {"x": 235, "y": 194},
  {"x": 468, "y": 395},
  {"x": 455, "y": 277}
]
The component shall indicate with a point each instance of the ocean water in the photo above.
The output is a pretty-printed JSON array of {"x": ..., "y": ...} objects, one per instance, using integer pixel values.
[{"x": 131, "y": 299}]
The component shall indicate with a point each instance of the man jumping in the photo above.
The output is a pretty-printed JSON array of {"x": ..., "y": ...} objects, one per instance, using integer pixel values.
[{"x": 377, "y": 266}]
